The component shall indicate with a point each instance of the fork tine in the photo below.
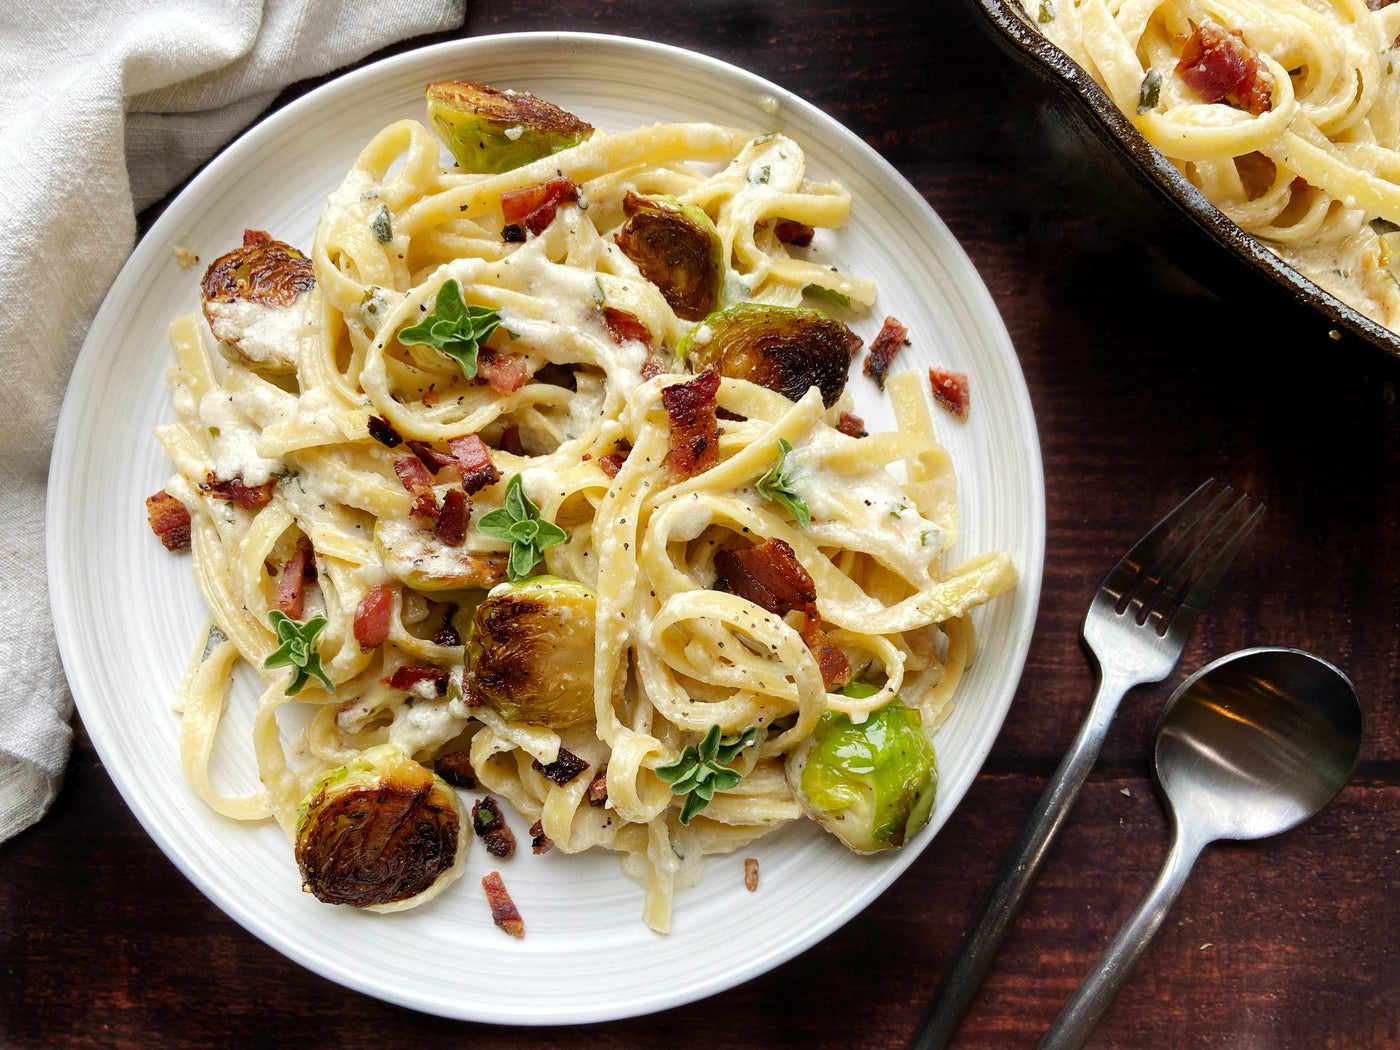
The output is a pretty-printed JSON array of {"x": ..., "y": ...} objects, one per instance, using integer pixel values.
[
  {"x": 1156, "y": 603},
  {"x": 1196, "y": 598},
  {"x": 1122, "y": 579}
]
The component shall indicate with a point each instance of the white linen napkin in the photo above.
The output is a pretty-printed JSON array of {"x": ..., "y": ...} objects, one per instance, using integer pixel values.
[{"x": 105, "y": 105}]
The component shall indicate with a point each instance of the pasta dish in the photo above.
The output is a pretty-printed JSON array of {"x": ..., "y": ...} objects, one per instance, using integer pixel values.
[
  {"x": 1284, "y": 113},
  {"x": 536, "y": 474}
]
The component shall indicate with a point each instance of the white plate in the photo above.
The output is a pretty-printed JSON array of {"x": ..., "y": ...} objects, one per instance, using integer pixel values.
[{"x": 127, "y": 612}]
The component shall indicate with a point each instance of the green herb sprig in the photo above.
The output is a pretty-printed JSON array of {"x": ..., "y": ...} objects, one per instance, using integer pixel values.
[
  {"x": 702, "y": 769},
  {"x": 776, "y": 485},
  {"x": 454, "y": 328},
  {"x": 518, "y": 522},
  {"x": 298, "y": 649}
]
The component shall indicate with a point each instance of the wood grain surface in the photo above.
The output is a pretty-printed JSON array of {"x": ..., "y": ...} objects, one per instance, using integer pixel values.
[{"x": 1143, "y": 383}]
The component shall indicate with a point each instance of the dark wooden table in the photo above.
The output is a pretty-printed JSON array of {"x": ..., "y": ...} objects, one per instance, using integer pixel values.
[{"x": 1143, "y": 384}]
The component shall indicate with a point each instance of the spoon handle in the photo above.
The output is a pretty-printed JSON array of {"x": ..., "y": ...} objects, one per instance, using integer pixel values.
[{"x": 1096, "y": 992}]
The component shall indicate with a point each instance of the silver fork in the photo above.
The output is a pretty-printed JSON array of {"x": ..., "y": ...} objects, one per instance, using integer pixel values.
[{"x": 1135, "y": 630}]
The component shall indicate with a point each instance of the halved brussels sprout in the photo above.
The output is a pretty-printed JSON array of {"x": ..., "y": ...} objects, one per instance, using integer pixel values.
[
  {"x": 530, "y": 654},
  {"x": 788, "y": 349},
  {"x": 248, "y": 296},
  {"x": 491, "y": 131},
  {"x": 871, "y": 785},
  {"x": 415, "y": 556},
  {"x": 678, "y": 249},
  {"x": 381, "y": 832}
]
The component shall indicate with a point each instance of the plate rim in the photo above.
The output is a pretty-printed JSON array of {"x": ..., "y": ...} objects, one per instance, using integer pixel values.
[{"x": 67, "y": 444}]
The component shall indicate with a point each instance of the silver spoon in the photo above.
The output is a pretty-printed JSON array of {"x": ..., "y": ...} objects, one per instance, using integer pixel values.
[{"x": 1248, "y": 746}]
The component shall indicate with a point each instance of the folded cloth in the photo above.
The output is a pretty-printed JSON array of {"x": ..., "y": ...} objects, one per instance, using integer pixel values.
[{"x": 105, "y": 106}]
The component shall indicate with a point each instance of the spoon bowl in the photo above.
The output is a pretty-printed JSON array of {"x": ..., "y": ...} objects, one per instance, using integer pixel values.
[{"x": 1249, "y": 746}]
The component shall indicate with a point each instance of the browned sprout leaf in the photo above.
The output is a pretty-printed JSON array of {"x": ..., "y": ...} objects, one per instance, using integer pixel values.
[
  {"x": 491, "y": 131},
  {"x": 677, "y": 248}
]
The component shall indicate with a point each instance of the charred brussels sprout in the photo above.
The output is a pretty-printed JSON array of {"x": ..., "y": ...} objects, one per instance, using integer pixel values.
[
  {"x": 678, "y": 249},
  {"x": 530, "y": 654},
  {"x": 381, "y": 832},
  {"x": 244, "y": 292},
  {"x": 491, "y": 131},
  {"x": 871, "y": 785},
  {"x": 788, "y": 349}
]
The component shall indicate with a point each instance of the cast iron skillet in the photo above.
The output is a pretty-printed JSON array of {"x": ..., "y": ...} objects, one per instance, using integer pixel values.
[{"x": 1195, "y": 233}]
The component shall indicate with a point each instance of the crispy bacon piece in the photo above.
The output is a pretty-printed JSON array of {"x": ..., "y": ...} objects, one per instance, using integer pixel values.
[
  {"x": 503, "y": 910},
  {"x": 769, "y": 575},
  {"x": 510, "y": 440},
  {"x": 169, "y": 520},
  {"x": 492, "y": 828},
  {"x": 373, "y": 616},
  {"x": 452, "y": 519},
  {"x": 598, "y": 789},
  {"x": 382, "y": 431},
  {"x": 1220, "y": 67},
  {"x": 531, "y": 209},
  {"x": 612, "y": 462},
  {"x": 473, "y": 463},
  {"x": 623, "y": 326},
  {"x": 539, "y": 841},
  {"x": 652, "y": 367},
  {"x": 506, "y": 373},
  {"x": 851, "y": 425},
  {"x": 409, "y": 676},
  {"x": 429, "y": 456},
  {"x": 419, "y": 483},
  {"x": 563, "y": 769},
  {"x": 891, "y": 337},
  {"x": 233, "y": 490},
  {"x": 456, "y": 769},
  {"x": 694, "y": 439},
  {"x": 448, "y": 634},
  {"x": 951, "y": 391},
  {"x": 255, "y": 237},
  {"x": 299, "y": 570},
  {"x": 789, "y": 231},
  {"x": 750, "y": 873}
]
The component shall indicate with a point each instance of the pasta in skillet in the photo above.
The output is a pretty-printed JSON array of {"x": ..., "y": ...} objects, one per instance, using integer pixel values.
[
  {"x": 1284, "y": 113},
  {"x": 490, "y": 509}
]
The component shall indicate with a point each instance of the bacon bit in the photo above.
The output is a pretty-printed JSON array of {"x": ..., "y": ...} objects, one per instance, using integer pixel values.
[
  {"x": 381, "y": 430},
  {"x": 891, "y": 337},
  {"x": 533, "y": 208},
  {"x": 623, "y": 326},
  {"x": 539, "y": 841},
  {"x": 169, "y": 520},
  {"x": 452, "y": 520},
  {"x": 951, "y": 391},
  {"x": 612, "y": 462},
  {"x": 750, "y": 873},
  {"x": 835, "y": 668},
  {"x": 503, "y": 910},
  {"x": 506, "y": 373},
  {"x": 563, "y": 769},
  {"x": 429, "y": 456},
  {"x": 456, "y": 769},
  {"x": 252, "y": 237},
  {"x": 510, "y": 440},
  {"x": 419, "y": 483},
  {"x": 299, "y": 570},
  {"x": 652, "y": 367},
  {"x": 769, "y": 575},
  {"x": 851, "y": 425},
  {"x": 447, "y": 634},
  {"x": 235, "y": 491},
  {"x": 1220, "y": 67},
  {"x": 407, "y": 678},
  {"x": 492, "y": 829},
  {"x": 790, "y": 231},
  {"x": 694, "y": 436},
  {"x": 473, "y": 463},
  {"x": 598, "y": 790},
  {"x": 373, "y": 616}
]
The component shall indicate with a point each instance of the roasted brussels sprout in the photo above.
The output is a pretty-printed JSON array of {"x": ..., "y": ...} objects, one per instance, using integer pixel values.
[
  {"x": 678, "y": 249},
  {"x": 530, "y": 653},
  {"x": 491, "y": 131},
  {"x": 381, "y": 832},
  {"x": 253, "y": 300},
  {"x": 789, "y": 349},
  {"x": 871, "y": 785},
  {"x": 417, "y": 557}
]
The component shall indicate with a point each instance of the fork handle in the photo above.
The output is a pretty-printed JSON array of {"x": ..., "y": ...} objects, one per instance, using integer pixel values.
[{"x": 983, "y": 938}]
